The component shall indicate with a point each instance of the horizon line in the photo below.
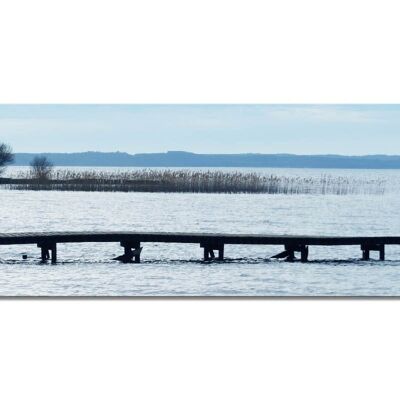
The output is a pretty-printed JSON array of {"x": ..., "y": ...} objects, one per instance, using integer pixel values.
[{"x": 213, "y": 154}]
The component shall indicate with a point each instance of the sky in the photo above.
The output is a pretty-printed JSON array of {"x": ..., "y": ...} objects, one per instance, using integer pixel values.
[{"x": 297, "y": 129}]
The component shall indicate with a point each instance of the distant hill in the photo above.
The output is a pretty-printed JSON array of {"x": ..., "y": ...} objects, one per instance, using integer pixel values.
[{"x": 186, "y": 159}]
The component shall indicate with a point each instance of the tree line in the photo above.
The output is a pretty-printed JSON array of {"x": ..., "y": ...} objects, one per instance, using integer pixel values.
[{"x": 41, "y": 167}]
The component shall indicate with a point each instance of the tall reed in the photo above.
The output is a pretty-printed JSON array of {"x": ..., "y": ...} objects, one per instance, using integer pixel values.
[{"x": 214, "y": 181}]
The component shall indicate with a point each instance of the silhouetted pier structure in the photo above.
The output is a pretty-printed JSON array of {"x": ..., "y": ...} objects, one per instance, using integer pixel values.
[{"x": 132, "y": 242}]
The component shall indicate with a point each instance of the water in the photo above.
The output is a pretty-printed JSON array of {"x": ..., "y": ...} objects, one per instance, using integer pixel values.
[{"x": 177, "y": 270}]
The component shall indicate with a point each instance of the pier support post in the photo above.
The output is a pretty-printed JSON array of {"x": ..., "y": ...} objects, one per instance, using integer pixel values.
[
  {"x": 208, "y": 254},
  {"x": 132, "y": 251},
  {"x": 290, "y": 250},
  {"x": 205, "y": 254},
  {"x": 44, "y": 254},
  {"x": 209, "y": 251},
  {"x": 365, "y": 254},
  {"x": 367, "y": 248},
  {"x": 138, "y": 252},
  {"x": 45, "y": 249},
  {"x": 304, "y": 254},
  {"x": 382, "y": 252},
  {"x": 221, "y": 253},
  {"x": 290, "y": 253},
  {"x": 53, "y": 253}
]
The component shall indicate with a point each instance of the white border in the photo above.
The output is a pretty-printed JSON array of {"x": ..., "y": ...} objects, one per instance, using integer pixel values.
[
  {"x": 199, "y": 349},
  {"x": 152, "y": 51},
  {"x": 252, "y": 51}
]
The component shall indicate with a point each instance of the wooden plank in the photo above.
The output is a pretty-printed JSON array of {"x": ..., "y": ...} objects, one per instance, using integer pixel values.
[{"x": 205, "y": 238}]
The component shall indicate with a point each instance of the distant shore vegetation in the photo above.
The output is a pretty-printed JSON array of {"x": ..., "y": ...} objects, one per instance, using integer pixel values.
[
  {"x": 42, "y": 176},
  {"x": 6, "y": 156}
]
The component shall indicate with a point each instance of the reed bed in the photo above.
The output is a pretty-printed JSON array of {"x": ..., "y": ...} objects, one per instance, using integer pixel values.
[{"x": 184, "y": 181}]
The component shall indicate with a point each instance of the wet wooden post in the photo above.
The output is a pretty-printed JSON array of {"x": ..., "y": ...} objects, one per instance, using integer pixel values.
[
  {"x": 44, "y": 253},
  {"x": 138, "y": 251},
  {"x": 365, "y": 253},
  {"x": 129, "y": 254},
  {"x": 53, "y": 249},
  {"x": 304, "y": 254},
  {"x": 206, "y": 251},
  {"x": 291, "y": 249},
  {"x": 209, "y": 251},
  {"x": 382, "y": 252},
  {"x": 289, "y": 253},
  {"x": 45, "y": 249},
  {"x": 367, "y": 248},
  {"x": 221, "y": 252},
  {"x": 206, "y": 255}
]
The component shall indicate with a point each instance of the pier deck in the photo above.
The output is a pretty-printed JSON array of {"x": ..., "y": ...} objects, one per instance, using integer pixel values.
[{"x": 210, "y": 242}]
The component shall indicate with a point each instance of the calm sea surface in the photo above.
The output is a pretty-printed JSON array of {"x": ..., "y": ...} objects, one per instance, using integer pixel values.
[{"x": 177, "y": 270}]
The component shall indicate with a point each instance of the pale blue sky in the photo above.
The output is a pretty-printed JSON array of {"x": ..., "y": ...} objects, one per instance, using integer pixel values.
[{"x": 300, "y": 129}]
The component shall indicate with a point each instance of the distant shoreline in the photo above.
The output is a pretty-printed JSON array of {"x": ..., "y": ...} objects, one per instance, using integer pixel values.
[{"x": 181, "y": 159}]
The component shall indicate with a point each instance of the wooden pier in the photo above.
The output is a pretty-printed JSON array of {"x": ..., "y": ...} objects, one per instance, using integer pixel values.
[{"x": 210, "y": 243}]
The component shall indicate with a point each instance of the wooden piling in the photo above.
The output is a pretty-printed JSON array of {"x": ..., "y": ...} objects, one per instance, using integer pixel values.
[
  {"x": 138, "y": 251},
  {"x": 290, "y": 250},
  {"x": 209, "y": 251},
  {"x": 128, "y": 252},
  {"x": 45, "y": 249},
  {"x": 53, "y": 253},
  {"x": 367, "y": 248},
  {"x": 304, "y": 254},
  {"x": 290, "y": 257},
  {"x": 221, "y": 253},
  {"x": 382, "y": 253},
  {"x": 132, "y": 251},
  {"x": 206, "y": 256},
  {"x": 44, "y": 254}
]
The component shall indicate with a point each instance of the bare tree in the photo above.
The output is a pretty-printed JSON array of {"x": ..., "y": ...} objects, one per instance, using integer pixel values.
[
  {"x": 41, "y": 168},
  {"x": 6, "y": 156}
]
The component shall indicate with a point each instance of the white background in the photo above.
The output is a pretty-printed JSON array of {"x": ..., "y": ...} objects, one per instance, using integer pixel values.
[{"x": 199, "y": 51}]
